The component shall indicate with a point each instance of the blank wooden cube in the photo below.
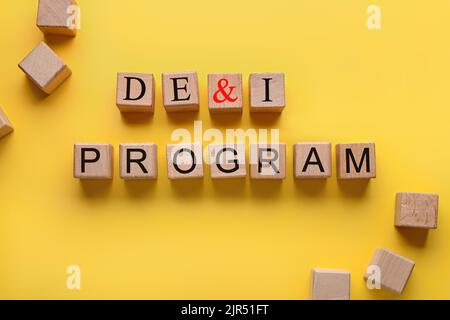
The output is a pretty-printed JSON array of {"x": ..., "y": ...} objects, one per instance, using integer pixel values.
[
  {"x": 184, "y": 161},
  {"x": 138, "y": 161},
  {"x": 180, "y": 91},
  {"x": 93, "y": 161},
  {"x": 225, "y": 93},
  {"x": 45, "y": 68},
  {"x": 394, "y": 269},
  {"x": 5, "y": 126},
  {"x": 267, "y": 161},
  {"x": 227, "y": 161},
  {"x": 267, "y": 92},
  {"x": 135, "y": 92},
  {"x": 57, "y": 17},
  {"x": 330, "y": 284},
  {"x": 356, "y": 160},
  {"x": 312, "y": 160},
  {"x": 416, "y": 210}
]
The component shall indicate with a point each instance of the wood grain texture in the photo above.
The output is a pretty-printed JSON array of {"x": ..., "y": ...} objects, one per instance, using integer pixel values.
[
  {"x": 184, "y": 161},
  {"x": 395, "y": 270},
  {"x": 268, "y": 161},
  {"x": 416, "y": 210},
  {"x": 227, "y": 161},
  {"x": 180, "y": 91},
  {"x": 45, "y": 68},
  {"x": 138, "y": 161},
  {"x": 127, "y": 98},
  {"x": 53, "y": 16},
  {"x": 233, "y": 90},
  {"x": 330, "y": 284},
  {"x": 102, "y": 168},
  {"x": 267, "y": 92},
  {"x": 5, "y": 125},
  {"x": 356, "y": 160},
  {"x": 312, "y": 160}
]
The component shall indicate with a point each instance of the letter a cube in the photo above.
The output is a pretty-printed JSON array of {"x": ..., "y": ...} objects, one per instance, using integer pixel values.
[{"x": 312, "y": 160}]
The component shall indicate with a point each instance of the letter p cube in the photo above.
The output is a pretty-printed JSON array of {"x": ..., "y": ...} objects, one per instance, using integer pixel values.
[{"x": 93, "y": 161}]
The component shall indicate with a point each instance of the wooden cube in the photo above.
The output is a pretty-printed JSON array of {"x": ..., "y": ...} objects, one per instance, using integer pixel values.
[
  {"x": 57, "y": 17},
  {"x": 5, "y": 126},
  {"x": 227, "y": 161},
  {"x": 93, "y": 161},
  {"x": 184, "y": 161},
  {"x": 267, "y": 92},
  {"x": 225, "y": 93},
  {"x": 135, "y": 92},
  {"x": 394, "y": 269},
  {"x": 45, "y": 68},
  {"x": 267, "y": 161},
  {"x": 416, "y": 210},
  {"x": 356, "y": 160},
  {"x": 330, "y": 284},
  {"x": 312, "y": 160},
  {"x": 138, "y": 161},
  {"x": 180, "y": 91}
]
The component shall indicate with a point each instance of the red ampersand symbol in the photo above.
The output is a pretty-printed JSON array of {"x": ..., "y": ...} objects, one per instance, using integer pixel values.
[{"x": 223, "y": 84}]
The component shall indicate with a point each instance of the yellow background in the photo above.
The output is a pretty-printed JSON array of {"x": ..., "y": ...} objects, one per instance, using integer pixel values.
[{"x": 226, "y": 239}]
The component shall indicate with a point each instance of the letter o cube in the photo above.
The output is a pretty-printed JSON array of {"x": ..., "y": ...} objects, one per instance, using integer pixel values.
[{"x": 184, "y": 161}]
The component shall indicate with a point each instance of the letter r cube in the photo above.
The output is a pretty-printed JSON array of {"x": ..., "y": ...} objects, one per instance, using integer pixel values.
[{"x": 268, "y": 161}]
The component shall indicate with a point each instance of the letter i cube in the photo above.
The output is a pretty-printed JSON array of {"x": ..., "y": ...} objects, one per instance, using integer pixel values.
[{"x": 267, "y": 92}]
